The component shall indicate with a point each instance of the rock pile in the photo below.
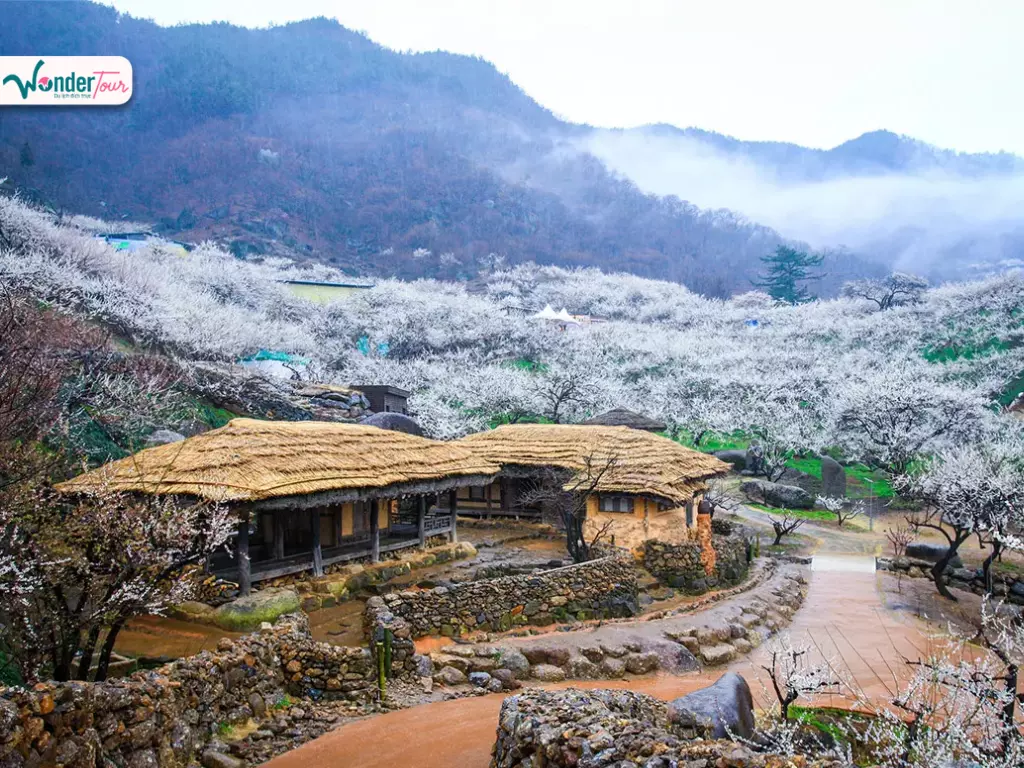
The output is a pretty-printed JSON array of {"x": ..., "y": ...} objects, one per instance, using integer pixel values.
[{"x": 611, "y": 728}]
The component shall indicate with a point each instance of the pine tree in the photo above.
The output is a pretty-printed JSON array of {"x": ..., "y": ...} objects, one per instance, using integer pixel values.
[
  {"x": 787, "y": 271},
  {"x": 27, "y": 157}
]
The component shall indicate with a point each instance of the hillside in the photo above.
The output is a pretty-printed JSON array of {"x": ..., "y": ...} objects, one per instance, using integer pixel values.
[{"x": 310, "y": 140}]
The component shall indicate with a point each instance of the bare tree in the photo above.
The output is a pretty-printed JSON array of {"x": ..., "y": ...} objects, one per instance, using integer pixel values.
[
  {"x": 566, "y": 493},
  {"x": 896, "y": 290},
  {"x": 784, "y": 524},
  {"x": 844, "y": 509},
  {"x": 719, "y": 497},
  {"x": 562, "y": 391},
  {"x": 900, "y": 538},
  {"x": 793, "y": 673}
]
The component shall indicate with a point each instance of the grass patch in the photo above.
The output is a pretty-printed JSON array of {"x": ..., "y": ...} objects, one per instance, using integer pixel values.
[
  {"x": 863, "y": 482},
  {"x": 735, "y": 441}
]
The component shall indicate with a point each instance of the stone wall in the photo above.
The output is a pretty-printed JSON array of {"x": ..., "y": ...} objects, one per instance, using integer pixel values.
[
  {"x": 684, "y": 565},
  {"x": 612, "y": 728},
  {"x": 968, "y": 579},
  {"x": 165, "y": 717},
  {"x": 595, "y": 589}
]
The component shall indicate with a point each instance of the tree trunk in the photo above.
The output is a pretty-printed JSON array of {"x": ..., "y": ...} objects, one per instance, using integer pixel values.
[
  {"x": 779, "y": 533},
  {"x": 107, "y": 650},
  {"x": 87, "y": 653},
  {"x": 986, "y": 567},
  {"x": 938, "y": 569}
]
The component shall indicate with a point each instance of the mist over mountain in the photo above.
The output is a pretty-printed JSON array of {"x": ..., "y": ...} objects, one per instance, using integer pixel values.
[
  {"x": 310, "y": 141},
  {"x": 887, "y": 197}
]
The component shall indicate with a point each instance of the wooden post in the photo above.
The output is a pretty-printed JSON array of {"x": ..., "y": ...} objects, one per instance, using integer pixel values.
[
  {"x": 279, "y": 535},
  {"x": 242, "y": 552},
  {"x": 503, "y": 488},
  {"x": 374, "y": 531},
  {"x": 318, "y": 555},
  {"x": 338, "y": 512},
  {"x": 421, "y": 520},
  {"x": 453, "y": 507},
  {"x": 487, "y": 495}
]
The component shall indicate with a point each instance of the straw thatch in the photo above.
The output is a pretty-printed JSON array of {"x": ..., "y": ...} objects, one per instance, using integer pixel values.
[
  {"x": 260, "y": 461},
  {"x": 636, "y": 462},
  {"x": 622, "y": 417}
]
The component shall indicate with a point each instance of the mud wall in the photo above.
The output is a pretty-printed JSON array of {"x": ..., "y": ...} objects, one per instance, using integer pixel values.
[
  {"x": 165, "y": 716},
  {"x": 599, "y": 588}
]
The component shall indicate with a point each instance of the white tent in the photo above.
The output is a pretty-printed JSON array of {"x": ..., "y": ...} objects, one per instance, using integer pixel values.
[{"x": 545, "y": 314}]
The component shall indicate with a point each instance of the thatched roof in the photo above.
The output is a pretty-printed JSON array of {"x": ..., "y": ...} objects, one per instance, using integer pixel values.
[
  {"x": 643, "y": 464},
  {"x": 398, "y": 422},
  {"x": 621, "y": 417},
  {"x": 273, "y": 462}
]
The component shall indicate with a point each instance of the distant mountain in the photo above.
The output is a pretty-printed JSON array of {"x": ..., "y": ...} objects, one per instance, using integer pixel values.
[
  {"x": 874, "y": 153},
  {"x": 308, "y": 140}
]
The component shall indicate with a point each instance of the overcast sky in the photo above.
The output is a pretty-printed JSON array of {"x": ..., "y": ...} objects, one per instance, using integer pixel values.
[{"x": 814, "y": 72}]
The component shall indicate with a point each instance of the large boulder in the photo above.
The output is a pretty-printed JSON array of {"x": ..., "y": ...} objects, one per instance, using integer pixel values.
[
  {"x": 931, "y": 553},
  {"x": 833, "y": 478},
  {"x": 247, "y": 613},
  {"x": 396, "y": 422},
  {"x": 738, "y": 459},
  {"x": 724, "y": 710},
  {"x": 778, "y": 495}
]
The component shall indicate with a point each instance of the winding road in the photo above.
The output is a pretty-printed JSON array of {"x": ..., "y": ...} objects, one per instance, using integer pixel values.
[{"x": 843, "y": 617}]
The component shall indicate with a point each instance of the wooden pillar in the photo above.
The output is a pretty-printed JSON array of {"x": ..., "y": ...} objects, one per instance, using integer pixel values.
[
  {"x": 453, "y": 507},
  {"x": 487, "y": 495},
  {"x": 374, "y": 530},
  {"x": 338, "y": 512},
  {"x": 279, "y": 535},
  {"x": 506, "y": 501},
  {"x": 242, "y": 552},
  {"x": 318, "y": 555},
  {"x": 421, "y": 520}
]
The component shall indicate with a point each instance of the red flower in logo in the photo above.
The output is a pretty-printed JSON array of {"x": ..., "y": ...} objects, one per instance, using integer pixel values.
[{"x": 43, "y": 81}]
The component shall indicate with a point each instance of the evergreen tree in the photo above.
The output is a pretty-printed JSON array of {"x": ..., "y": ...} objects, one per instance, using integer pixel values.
[
  {"x": 787, "y": 271},
  {"x": 27, "y": 158}
]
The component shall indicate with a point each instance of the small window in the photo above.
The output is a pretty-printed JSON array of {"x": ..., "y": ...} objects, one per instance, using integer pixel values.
[
  {"x": 616, "y": 503},
  {"x": 476, "y": 493}
]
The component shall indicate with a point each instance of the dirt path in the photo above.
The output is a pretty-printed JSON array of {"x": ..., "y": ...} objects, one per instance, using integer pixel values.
[{"x": 842, "y": 614}]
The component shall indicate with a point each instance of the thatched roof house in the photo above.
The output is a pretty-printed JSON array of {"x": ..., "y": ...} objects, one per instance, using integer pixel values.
[
  {"x": 643, "y": 464},
  {"x": 304, "y": 462},
  {"x": 308, "y": 494},
  {"x": 647, "y": 486},
  {"x": 622, "y": 417}
]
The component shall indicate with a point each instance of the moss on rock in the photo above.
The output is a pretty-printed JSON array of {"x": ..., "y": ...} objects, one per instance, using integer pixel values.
[{"x": 247, "y": 613}]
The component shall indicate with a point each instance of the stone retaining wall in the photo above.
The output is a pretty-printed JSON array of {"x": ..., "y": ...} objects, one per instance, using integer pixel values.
[
  {"x": 614, "y": 651},
  {"x": 165, "y": 717},
  {"x": 968, "y": 579},
  {"x": 683, "y": 565},
  {"x": 595, "y": 589}
]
